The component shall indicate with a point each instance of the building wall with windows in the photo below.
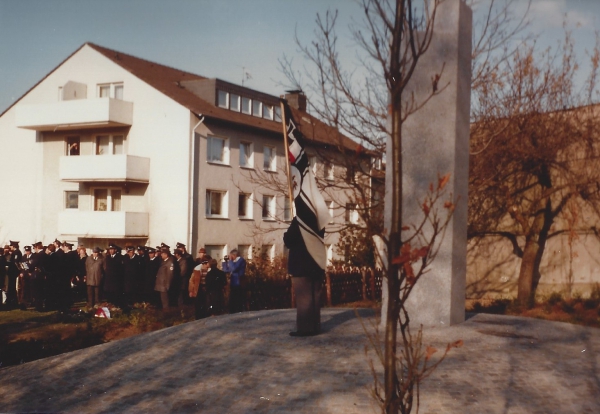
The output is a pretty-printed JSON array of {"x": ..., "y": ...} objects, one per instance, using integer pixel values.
[{"x": 112, "y": 148}]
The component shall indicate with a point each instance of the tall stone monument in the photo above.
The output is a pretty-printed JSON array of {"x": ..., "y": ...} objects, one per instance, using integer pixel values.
[{"x": 435, "y": 142}]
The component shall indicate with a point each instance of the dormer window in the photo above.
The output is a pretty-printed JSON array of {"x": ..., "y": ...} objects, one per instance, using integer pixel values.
[
  {"x": 256, "y": 108},
  {"x": 223, "y": 99},
  {"x": 249, "y": 106},
  {"x": 246, "y": 106},
  {"x": 268, "y": 112},
  {"x": 234, "y": 102}
]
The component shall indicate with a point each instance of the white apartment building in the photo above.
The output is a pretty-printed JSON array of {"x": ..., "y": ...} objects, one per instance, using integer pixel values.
[{"x": 110, "y": 148}]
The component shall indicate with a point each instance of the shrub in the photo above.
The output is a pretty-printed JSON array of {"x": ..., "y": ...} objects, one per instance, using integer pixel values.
[{"x": 555, "y": 298}]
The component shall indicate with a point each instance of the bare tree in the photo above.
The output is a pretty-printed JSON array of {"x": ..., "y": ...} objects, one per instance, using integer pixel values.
[
  {"x": 535, "y": 151},
  {"x": 370, "y": 105}
]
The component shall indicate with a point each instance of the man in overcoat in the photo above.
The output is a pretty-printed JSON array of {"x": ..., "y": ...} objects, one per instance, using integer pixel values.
[
  {"x": 94, "y": 271},
  {"x": 165, "y": 275}
]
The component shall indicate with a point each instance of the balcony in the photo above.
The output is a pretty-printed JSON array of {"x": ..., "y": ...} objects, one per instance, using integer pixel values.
[
  {"x": 75, "y": 114},
  {"x": 103, "y": 224},
  {"x": 105, "y": 168}
]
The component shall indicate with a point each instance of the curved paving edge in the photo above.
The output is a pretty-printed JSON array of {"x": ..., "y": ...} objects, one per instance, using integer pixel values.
[{"x": 247, "y": 363}]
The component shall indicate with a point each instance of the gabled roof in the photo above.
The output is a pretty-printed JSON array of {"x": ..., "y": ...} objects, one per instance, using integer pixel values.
[{"x": 172, "y": 81}]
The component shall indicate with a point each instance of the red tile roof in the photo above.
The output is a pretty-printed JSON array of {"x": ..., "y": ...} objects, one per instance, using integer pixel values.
[{"x": 169, "y": 81}]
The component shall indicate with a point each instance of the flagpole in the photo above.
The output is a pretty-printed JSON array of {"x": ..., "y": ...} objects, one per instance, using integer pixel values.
[{"x": 287, "y": 155}]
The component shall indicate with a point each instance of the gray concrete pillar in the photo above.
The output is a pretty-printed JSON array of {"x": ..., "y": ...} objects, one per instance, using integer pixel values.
[{"x": 436, "y": 141}]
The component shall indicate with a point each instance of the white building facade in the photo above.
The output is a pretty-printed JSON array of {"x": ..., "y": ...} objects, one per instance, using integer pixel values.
[{"x": 110, "y": 148}]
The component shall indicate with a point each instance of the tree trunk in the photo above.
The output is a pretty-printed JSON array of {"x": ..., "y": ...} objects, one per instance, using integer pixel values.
[
  {"x": 525, "y": 284},
  {"x": 535, "y": 244}
]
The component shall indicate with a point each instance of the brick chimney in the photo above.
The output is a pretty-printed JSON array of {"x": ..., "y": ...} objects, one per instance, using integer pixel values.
[{"x": 297, "y": 99}]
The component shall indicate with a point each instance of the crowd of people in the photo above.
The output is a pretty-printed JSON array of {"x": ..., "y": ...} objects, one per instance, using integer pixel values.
[{"x": 52, "y": 277}]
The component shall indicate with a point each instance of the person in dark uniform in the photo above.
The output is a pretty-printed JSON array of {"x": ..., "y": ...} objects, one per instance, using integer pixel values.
[
  {"x": 307, "y": 280},
  {"x": 216, "y": 280},
  {"x": 67, "y": 277},
  {"x": 38, "y": 272},
  {"x": 186, "y": 254},
  {"x": 81, "y": 270},
  {"x": 113, "y": 275},
  {"x": 53, "y": 269},
  {"x": 24, "y": 287},
  {"x": 12, "y": 274},
  {"x": 197, "y": 288},
  {"x": 186, "y": 267},
  {"x": 4, "y": 257},
  {"x": 132, "y": 276},
  {"x": 150, "y": 270}
]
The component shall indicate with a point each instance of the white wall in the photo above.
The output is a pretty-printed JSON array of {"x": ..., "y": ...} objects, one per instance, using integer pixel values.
[{"x": 160, "y": 131}]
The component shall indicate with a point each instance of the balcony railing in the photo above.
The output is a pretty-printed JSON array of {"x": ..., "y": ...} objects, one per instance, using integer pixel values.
[
  {"x": 103, "y": 224},
  {"x": 75, "y": 114},
  {"x": 104, "y": 168}
]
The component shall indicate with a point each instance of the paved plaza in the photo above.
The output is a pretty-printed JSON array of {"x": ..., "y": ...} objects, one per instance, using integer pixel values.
[{"x": 247, "y": 363}]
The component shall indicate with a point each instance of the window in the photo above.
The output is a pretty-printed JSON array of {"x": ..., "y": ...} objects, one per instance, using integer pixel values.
[
  {"x": 104, "y": 91},
  {"x": 267, "y": 251},
  {"x": 246, "y": 155},
  {"x": 257, "y": 108},
  {"x": 72, "y": 199},
  {"x": 218, "y": 150},
  {"x": 269, "y": 159},
  {"x": 330, "y": 209},
  {"x": 287, "y": 211},
  {"x": 110, "y": 90},
  {"x": 245, "y": 251},
  {"x": 119, "y": 92},
  {"x": 267, "y": 111},
  {"x": 115, "y": 200},
  {"x": 277, "y": 113},
  {"x": 216, "y": 251},
  {"x": 109, "y": 144},
  {"x": 351, "y": 214},
  {"x": 216, "y": 205},
  {"x": 234, "y": 102},
  {"x": 376, "y": 163},
  {"x": 244, "y": 206},
  {"x": 350, "y": 174},
  {"x": 117, "y": 144},
  {"x": 73, "y": 146},
  {"x": 268, "y": 207},
  {"x": 328, "y": 171},
  {"x": 107, "y": 199},
  {"x": 223, "y": 99},
  {"x": 246, "y": 106},
  {"x": 329, "y": 252},
  {"x": 102, "y": 144}
]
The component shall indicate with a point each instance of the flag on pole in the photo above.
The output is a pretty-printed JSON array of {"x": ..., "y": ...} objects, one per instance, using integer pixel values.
[{"x": 311, "y": 212}]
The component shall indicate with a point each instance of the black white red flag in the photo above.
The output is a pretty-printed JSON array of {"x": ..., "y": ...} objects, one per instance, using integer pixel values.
[{"x": 311, "y": 212}]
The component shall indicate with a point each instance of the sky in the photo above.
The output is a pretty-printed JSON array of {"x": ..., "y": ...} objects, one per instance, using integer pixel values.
[{"x": 224, "y": 38}]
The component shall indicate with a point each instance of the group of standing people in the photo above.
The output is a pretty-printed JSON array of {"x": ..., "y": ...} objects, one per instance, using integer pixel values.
[
  {"x": 46, "y": 276},
  {"x": 42, "y": 276}
]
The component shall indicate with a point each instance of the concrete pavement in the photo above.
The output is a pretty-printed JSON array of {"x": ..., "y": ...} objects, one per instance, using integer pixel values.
[{"x": 247, "y": 363}]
